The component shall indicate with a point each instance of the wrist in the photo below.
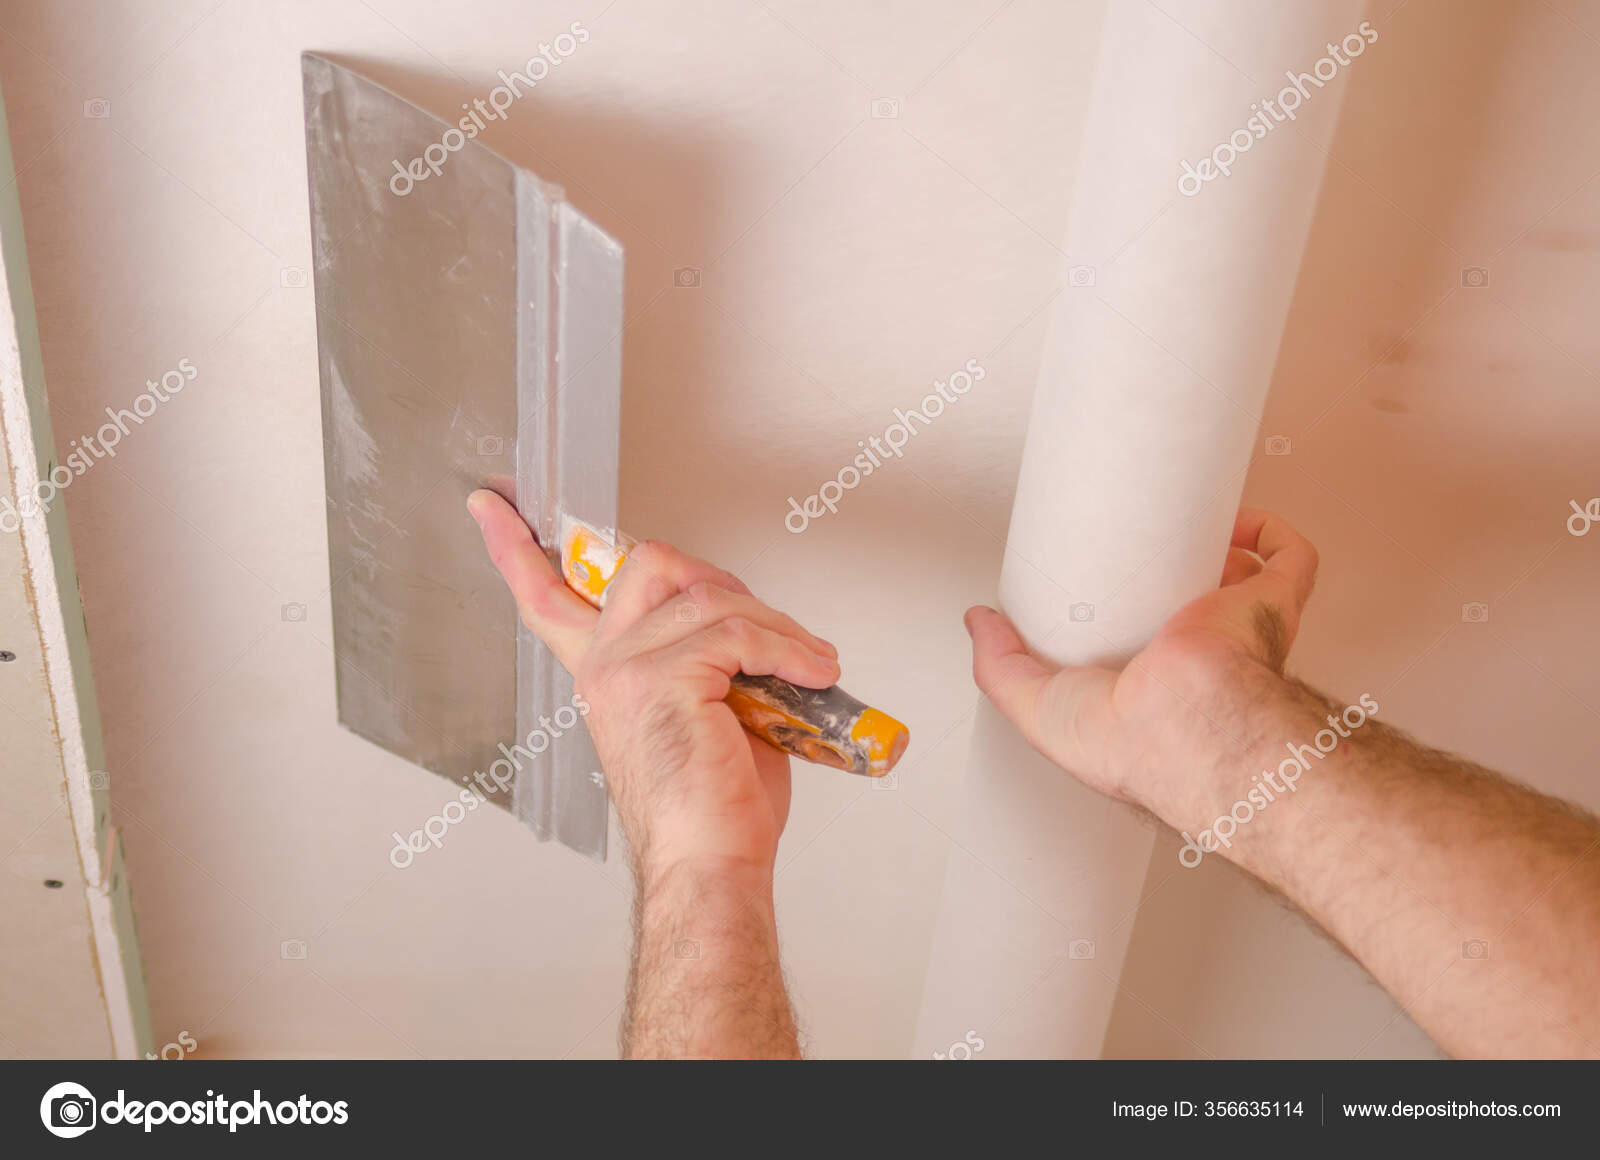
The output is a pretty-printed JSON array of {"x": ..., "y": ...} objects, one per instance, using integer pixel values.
[
  {"x": 1199, "y": 740},
  {"x": 690, "y": 847},
  {"x": 698, "y": 917},
  {"x": 1296, "y": 748},
  {"x": 715, "y": 883}
]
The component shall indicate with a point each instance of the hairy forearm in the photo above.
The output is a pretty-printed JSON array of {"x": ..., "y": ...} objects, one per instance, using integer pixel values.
[
  {"x": 706, "y": 981},
  {"x": 1474, "y": 900}
]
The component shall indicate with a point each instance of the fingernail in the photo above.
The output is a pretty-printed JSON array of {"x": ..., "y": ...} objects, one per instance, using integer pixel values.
[
  {"x": 828, "y": 647},
  {"x": 478, "y": 505}
]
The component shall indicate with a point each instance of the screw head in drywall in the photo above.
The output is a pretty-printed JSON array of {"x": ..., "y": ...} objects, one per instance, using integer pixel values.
[
  {"x": 7, "y": 655},
  {"x": 54, "y": 883}
]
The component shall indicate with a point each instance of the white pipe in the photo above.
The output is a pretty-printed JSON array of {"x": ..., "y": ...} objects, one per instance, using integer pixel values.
[{"x": 1144, "y": 418}]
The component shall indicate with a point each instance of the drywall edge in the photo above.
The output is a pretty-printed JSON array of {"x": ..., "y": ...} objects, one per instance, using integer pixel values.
[{"x": 63, "y": 636}]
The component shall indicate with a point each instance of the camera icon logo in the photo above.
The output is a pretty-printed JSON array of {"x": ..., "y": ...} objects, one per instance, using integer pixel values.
[
  {"x": 885, "y": 108},
  {"x": 686, "y": 277},
  {"x": 1080, "y": 613},
  {"x": 97, "y": 108},
  {"x": 99, "y": 779},
  {"x": 294, "y": 612},
  {"x": 292, "y": 948},
  {"x": 1278, "y": 445},
  {"x": 491, "y": 445},
  {"x": 293, "y": 277},
  {"x": 886, "y": 782},
  {"x": 1474, "y": 277},
  {"x": 68, "y": 1110},
  {"x": 686, "y": 611},
  {"x": 1080, "y": 276},
  {"x": 1080, "y": 948},
  {"x": 686, "y": 948},
  {"x": 1475, "y": 948},
  {"x": 1475, "y": 612}
]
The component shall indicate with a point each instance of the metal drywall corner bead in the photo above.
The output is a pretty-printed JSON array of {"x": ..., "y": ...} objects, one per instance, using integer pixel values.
[{"x": 566, "y": 465}]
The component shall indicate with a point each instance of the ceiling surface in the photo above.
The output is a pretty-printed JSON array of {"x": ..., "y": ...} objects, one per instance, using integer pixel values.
[{"x": 1438, "y": 421}]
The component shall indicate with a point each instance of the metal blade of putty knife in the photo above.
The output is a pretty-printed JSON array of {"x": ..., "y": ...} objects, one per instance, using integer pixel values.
[{"x": 469, "y": 330}]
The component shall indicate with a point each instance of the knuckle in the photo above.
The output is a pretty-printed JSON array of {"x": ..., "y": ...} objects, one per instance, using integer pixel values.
[
  {"x": 703, "y": 592},
  {"x": 741, "y": 630},
  {"x": 650, "y": 555},
  {"x": 537, "y": 606}
]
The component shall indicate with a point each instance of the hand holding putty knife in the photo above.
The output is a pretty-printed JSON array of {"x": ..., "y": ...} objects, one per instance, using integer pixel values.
[{"x": 826, "y": 726}]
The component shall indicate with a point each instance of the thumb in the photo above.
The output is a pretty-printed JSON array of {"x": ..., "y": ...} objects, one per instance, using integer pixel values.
[
  {"x": 1003, "y": 668},
  {"x": 1062, "y": 712},
  {"x": 552, "y": 611}
]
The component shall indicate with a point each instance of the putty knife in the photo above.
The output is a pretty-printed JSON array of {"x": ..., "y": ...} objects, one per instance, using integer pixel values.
[
  {"x": 469, "y": 325},
  {"x": 468, "y": 328},
  {"x": 826, "y": 726}
]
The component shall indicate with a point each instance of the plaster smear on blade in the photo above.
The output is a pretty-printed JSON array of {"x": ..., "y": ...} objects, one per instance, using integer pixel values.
[
  {"x": 590, "y": 557},
  {"x": 354, "y": 450}
]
